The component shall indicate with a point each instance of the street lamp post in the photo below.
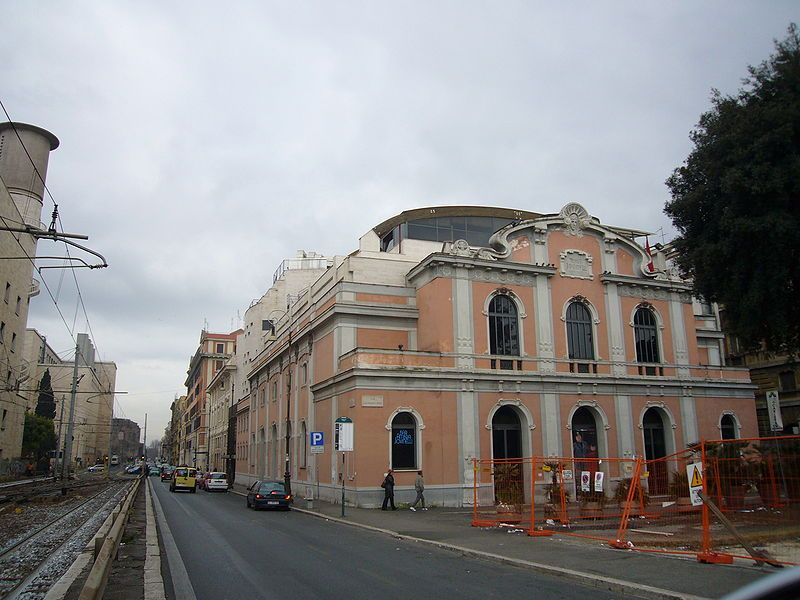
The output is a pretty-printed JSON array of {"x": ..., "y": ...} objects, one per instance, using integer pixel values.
[{"x": 287, "y": 475}]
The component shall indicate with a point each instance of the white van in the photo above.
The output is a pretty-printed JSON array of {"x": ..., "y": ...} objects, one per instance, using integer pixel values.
[{"x": 114, "y": 459}]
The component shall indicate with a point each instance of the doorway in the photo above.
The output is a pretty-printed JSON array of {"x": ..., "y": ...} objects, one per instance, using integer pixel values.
[
  {"x": 655, "y": 447},
  {"x": 509, "y": 485}
]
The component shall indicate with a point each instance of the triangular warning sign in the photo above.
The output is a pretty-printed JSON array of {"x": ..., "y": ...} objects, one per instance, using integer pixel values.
[{"x": 697, "y": 478}]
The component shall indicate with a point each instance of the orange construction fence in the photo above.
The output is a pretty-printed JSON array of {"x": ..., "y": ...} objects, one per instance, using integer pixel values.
[{"x": 717, "y": 500}]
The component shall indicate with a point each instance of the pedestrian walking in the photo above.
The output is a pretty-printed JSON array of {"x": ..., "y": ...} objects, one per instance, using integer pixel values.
[
  {"x": 388, "y": 491},
  {"x": 419, "y": 486}
]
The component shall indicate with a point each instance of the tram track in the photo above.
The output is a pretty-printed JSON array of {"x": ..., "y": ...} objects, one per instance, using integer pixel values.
[{"x": 31, "y": 565}]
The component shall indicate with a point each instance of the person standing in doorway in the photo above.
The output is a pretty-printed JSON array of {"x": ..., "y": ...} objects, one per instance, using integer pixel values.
[
  {"x": 419, "y": 486},
  {"x": 388, "y": 491}
]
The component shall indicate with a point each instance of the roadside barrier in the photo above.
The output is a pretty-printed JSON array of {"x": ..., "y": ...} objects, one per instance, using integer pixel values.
[
  {"x": 717, "y": 500},
  {"x": 106, "y": 548}
]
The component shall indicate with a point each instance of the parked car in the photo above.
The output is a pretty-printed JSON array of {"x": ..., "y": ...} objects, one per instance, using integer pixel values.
[
  {"x": 184, "y": 478},
  {"x": 215, "y": 481},
  {"x": 268, "y": 494},
  {"x": 95, "y": 468},
  {"x": 134, "y": 470},
  {"x": 154, "y": 471}
]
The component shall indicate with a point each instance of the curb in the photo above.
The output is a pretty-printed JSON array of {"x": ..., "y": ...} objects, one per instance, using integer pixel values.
[{"x": 153, "y": 581}]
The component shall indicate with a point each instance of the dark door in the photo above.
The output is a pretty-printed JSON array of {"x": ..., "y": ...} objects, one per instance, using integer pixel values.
[
  {"x": 506, "y": 446},
  {"x": 655, "y": 447}
]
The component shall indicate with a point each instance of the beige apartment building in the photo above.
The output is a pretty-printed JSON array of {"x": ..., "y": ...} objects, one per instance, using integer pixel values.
[
  {"x": 21, "y": 193},
  {"x": 454, "y": 333},
  {"x": 94, "y": 397}
]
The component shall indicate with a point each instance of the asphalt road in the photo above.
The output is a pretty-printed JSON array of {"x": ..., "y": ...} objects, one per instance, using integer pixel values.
[{"x": 231, "y": 552}]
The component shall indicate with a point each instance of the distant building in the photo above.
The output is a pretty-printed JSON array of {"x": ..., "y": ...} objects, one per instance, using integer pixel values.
[
  {"x": 94, "y": 398},
  {"x": 455, "y": 333},
  {"x": 23, "y": 169},
  {"x": 770, "y": 372},
  {"x": 125, "y": 439},
  {"x": 213, "y": 351}
]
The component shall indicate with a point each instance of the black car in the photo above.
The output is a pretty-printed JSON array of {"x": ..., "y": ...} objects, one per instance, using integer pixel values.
[{"x": 268, "y": 494}]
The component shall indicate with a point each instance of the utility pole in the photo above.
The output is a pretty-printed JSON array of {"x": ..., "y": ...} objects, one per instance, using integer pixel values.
[
  {"x": 60, "y": 439},
  {"x": 67, "y": 459},
  {"x": 287, "y": 475},
  {"x": 144, "y": 445}
]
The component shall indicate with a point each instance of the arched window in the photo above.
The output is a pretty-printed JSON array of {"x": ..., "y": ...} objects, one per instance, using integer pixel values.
[
  {"x": 503, "y": 329},
  {"x": 645, "y": 333},
  {"x": 580, "y": 341},
  {"x": 404, "y": 441},
  {"x": 728, "y": 427}
]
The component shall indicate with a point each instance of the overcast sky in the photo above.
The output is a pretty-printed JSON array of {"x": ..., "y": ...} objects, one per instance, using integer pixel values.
[{"x": 202, "y": 143}]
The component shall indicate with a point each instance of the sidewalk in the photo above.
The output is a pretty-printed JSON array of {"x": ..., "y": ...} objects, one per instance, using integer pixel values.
[{"x": 591, "y": 563}]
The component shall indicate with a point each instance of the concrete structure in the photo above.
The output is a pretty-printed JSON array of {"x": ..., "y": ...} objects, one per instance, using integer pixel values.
[
  {"x": 213, "y": 351},
  {"x": 125, "y": 439},
  {"x": 24, "y": 155},
  {"x": 462, "y": 332}
]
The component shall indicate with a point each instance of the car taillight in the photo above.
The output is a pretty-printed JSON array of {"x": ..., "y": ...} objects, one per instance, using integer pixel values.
[
  {"x": 289, "y": 498},
  {"x": 259, "y": 496}
]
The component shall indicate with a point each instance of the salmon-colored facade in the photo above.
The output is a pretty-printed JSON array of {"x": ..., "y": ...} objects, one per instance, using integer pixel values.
[{"x": 504, "y": 343}]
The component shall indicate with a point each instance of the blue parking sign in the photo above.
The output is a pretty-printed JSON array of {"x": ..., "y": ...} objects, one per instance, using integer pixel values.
[{"x": 317, "y": 438}]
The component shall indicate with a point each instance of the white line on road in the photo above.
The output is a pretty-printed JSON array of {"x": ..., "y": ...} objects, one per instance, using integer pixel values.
[{"x": 180, "y": 578}]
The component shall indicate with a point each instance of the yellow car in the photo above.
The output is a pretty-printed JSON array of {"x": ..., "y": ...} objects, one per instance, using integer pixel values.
[{"x": 183, "y": 478}]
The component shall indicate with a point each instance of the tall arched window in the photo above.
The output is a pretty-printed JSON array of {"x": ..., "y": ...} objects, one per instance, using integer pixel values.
[
  {"x": 580, "y": 341},
  {"x": 404, "y": 441},
  {"x": 503, "y": 329},
  {"x": 645, "y": 333}
]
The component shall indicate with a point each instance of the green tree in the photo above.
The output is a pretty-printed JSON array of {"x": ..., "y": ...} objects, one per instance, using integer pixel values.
[
  {"x": 38, "y": 438},
  {"x": 46, "y": 404},
  {"x": 736, "y": 203}
]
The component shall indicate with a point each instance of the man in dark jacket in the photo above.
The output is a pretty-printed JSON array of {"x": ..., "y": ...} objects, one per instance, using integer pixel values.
[{"x": 388, "y": 491}]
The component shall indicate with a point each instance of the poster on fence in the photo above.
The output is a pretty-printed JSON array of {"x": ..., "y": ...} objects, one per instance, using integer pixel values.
[
  {"x": 694, "y": 473},
  {"x": 586, "y": 479},
  {"x": 598, "y": 481}
]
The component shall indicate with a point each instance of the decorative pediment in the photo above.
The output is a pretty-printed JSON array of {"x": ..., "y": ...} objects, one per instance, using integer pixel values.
[{"x": 575, "y": 218}]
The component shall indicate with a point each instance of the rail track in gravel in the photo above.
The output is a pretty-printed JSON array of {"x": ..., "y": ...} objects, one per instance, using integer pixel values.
[{"x": 31, "y": 565}]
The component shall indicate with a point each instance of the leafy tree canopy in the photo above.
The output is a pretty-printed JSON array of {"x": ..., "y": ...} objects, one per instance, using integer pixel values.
[
  {"x": 39, "y": 437},
  {"x": 46, "y": 405},
  {"x": 736, "y": 203}
]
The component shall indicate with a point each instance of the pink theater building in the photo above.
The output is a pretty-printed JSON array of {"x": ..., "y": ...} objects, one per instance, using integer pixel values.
[{"x": 462, "y": 332}]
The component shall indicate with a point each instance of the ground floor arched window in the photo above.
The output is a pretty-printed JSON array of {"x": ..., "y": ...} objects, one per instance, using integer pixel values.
[{"x": 404, "y": 441}]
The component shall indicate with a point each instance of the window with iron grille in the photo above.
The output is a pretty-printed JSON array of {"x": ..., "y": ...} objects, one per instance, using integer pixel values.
[{"x": 503, "y": 329}]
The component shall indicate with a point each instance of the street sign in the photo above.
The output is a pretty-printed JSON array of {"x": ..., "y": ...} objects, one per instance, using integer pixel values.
[
  {"x": 317, "y": 439},
  {"x": 694, "y": 473},
  {"x": 343, "y": 434},
  {"x": 774, "y": 410}
]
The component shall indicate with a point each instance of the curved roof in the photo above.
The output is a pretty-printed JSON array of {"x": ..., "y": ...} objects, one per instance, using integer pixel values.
[{"x": 450, "y": 211}]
